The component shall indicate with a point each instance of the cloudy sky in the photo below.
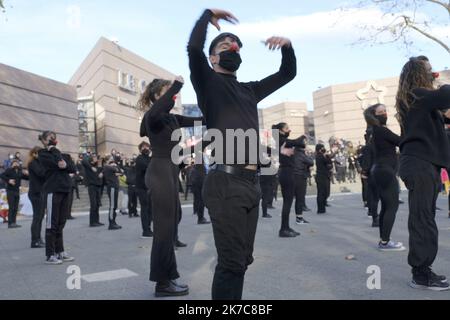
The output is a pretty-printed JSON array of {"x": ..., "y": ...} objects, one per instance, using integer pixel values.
[{"x": 52, "y": 37}]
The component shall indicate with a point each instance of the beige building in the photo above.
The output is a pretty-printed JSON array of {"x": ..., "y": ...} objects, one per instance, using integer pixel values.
[
  {"x": 295, "y": 114},
  {"x": 30, "y": 104},
  {"x": 338, "y": 109},
  {"x": 109, "y": 82}
]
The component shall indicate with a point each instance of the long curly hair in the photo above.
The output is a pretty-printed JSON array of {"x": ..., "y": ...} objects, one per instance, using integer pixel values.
[
  {"x": 415, "y": 74},
  {"x": 149, "y": 96}
]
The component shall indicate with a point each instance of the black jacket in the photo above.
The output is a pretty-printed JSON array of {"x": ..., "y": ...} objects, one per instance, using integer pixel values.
[
  {"x": 142, "y": 163},
  {"x": 13, "y": 174},
  {"x": 56, "y": 180},
  {"x": 324, "y": 165},
  {"x": 111, "y": 179},
  {"x": 36, "y": 177},
  {"x": 130, "y": 173},
  {"x": 302, "y": 162},
  {"x": 91, "y": 174}
]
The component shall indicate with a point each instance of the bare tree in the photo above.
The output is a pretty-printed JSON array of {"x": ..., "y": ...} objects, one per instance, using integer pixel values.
[{"x": 402, "y": 18}]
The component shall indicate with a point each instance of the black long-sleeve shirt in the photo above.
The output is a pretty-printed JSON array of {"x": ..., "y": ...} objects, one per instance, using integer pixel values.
[
  {"x": 111, "y": 179},
  {"x": 158, "y": 123},
  {"x": 56, "y": 179},
  {"x": 384, "y": 144},
  {"x": 289, "y": 161},
  {"x": 36, "y": 176},
  {"x": 91, "y": 174},
  {"x": 130, "y": 173},
  {"x": 323, "y": 165},
  {"x": 13, "y": 174},
  {"x": 142, "y": 163},
  {"x": 423, "y": 131},
  {"x": 227, "y": 103}
]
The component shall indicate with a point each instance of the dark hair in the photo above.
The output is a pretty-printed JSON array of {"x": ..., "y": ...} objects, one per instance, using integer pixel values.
[
  {"x": 142, "y": 144},
  {"x": 222, "y": 36},
  {"x": 279, "y": 126},
  {"x": 319, "y": 147},
  {"x": 369, "y": 115},
  {"x": 44, "y": 135},
  {"x": 149, "y": 95},
  {"x": 415, "y": 74}
]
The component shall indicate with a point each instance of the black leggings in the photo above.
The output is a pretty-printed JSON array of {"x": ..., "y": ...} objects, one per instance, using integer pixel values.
[
  {"x": 387, "y": 188},
  {"x": 300, "y": 193},
  {"x": 266, "y": 183},
  {"x": 287, "y": 183},
  {"x": 162, "y": 180},
  {"x": 38, "y": 216}
]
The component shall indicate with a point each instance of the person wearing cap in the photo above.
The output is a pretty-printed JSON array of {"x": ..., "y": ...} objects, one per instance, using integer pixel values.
[
  {"x": 231, "y": 191},
  {"x": 13, "y": 177}
]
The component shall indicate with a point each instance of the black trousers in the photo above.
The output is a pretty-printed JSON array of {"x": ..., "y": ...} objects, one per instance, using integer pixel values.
[
  {"x": 146, "y": 208},
  {"x": 162, "y": 179},
  {"x": 276, "y": 182},
  {"x": 233, "y": 204},
  {"x": 13, "y": 198},
  {"x": 57, "y": 205},
  {"x": 287, "y": 183},
  {"x": 323, "y": 187},
  {"x": 132, "y": 200},
  {"x": 94, "y": 199},
  {"x": 199, "y": 205},
  {"x": 71, "y": 194},
  {"x": 189, "y": 187},
  {"x": 365, "y": 190},
  {"x": 267, "y": 186},
  {"x": 373, "y": 197},
  {"x": 387, "y": 188},
  {"x": 113, "y": 196},
  {"x": 422, "y": 180},
  {"x": 77, "y": 190},
  {"x": 38, "y": 216},
  {"x": 300, "y": 193}
]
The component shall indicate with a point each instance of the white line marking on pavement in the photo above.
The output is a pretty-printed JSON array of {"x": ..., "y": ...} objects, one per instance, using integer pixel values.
[{"x": 109, "y": 275}]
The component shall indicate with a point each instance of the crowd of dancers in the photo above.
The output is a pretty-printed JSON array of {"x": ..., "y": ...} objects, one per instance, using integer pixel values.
[{"x": 233, "y": 192}]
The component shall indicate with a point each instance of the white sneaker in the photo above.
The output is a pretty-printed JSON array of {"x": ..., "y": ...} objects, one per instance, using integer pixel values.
[
  {"x": 63, "y": 256},
  {"x": 391, "y": 246},
  {"x": 53, "y": 260}
]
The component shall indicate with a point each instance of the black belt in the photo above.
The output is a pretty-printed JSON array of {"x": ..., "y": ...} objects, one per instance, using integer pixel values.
[{"x": 251, "y": 175}]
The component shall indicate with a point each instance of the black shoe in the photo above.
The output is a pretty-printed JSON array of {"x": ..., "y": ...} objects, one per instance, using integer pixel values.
[
  {"x": 169, "y": 289},
  {"x": 96, "y": 224},
  {"x": 321, "y": 212},
  {"x": 375, "y": 223},
  {"x": 148, "y": 234},
  {"x": 70, "y": 218},
  {"x": 438, "y": 209},
  {"x": 400, "y": 201},
  {"x": 136, "y": 216},
  {"x": 299, "y": 220},
  {"x": 42, "y": 243},
  {"x": 429, "y": 282},
  {"x": 270, "y": 207},
  {"x": 327, "y": 205},
  {"x": 124, "y": 213},
  {"x": 267, "y": 216},
  {"x": 37, "y": 244},
  {"x": 437, "y": 277},
  {"x": 114, "y": 226},
  {"x": 180, "y": 244},
  {"x": 286, "y": 234},
  {"x": 294, "y": 232},
  {"x": 14, "y": 226},
  {"x": 306, "y": 209},
  {"x": 203, "y": 221}
]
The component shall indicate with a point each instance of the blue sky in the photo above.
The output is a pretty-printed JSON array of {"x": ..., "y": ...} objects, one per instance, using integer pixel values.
[{"x": 52, "y": 37}]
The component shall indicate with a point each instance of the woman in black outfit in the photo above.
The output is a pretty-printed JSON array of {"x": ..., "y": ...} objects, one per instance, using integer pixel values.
[
  {"x": 383, "y": 171},
  {"x": 37, "y": 179},
  {"x": 286, "y": 177},
  {"x": 158, "y": 125},
  {"x": 424, "y": 151}
]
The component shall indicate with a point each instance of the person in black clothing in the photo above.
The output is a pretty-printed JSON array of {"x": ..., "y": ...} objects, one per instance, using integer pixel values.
[
  {"x": 13, "y": 177},
  {"x": 56, "y": 189},
  {"x": 231, "y": 191},
  {"x": 36, "y": 178},
  {"x": 74, "y": 186},
  {"x": 111, "y": 172},
  {"x": 424, "y": 151},
  {"x": 144, "y": 196},
  {"x": 301, "y": 172},
  {"x": 93, "y": 177},
  {"x": 366, "y": 165},
  {"x": 267, "y": 192},
  {"x": 384, "y": 170},
  {"x": 286, "y": 176},
  {"x": 198, "y": 175},
  {"x": 186, "y": 173},
  {"x": 130, "y": 173},
  {"x": 162, "y": 180},
  {"x": 364, "y": 178},
  {"x": 324, "y": 165}
]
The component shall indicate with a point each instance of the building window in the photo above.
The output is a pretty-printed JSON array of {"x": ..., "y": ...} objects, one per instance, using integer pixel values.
[{"x": 87, "y": 126}]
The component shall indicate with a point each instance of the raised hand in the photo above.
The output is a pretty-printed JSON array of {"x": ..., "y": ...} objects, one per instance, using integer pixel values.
[
  {"x": 275, "y": 43},
  {"x": 222, "y": 15},
  {"x": 179, "y": 79},
  {"x": 286, "y": 151}
]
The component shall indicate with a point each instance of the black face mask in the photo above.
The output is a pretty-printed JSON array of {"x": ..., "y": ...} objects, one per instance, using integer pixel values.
[
  {"x": 145, "y": 152},
  {"x": 230, "y": 60},
  {"x": 53, "y": 142},
  {"x": 382, "y": 120}
]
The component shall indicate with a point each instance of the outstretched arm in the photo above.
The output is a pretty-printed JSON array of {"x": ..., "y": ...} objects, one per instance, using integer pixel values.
[{"x": 287, "y": 72}]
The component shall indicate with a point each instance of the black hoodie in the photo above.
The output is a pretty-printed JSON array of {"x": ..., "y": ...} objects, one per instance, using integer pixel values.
[
  {"x": 56, "y": 180},
  {"x": 13, "y": 174}
]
